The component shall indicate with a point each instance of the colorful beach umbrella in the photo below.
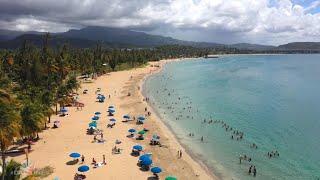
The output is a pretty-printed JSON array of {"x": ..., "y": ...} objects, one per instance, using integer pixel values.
[
  {"x": 141, "y": 118},
  {"x": 92, "y": 124},
  {"x": 131, "y": 130},
  {"x": 83, "y": 168},
  {"x": 142, "y": 132},
  {"x": 74, "y": 155},
  {"x": 156, "y": 170},
  {"x": 137, "y": 147},
  {"x": 171, "y": 178}
]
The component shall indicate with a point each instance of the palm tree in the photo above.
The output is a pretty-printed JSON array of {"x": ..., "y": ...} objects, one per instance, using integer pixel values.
[
  {"x": 33, "y": 119},
  {"x": 9, "y": 125}
]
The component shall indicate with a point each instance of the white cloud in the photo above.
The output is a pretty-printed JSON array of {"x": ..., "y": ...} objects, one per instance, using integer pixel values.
[{"x": 260, "y": 21}]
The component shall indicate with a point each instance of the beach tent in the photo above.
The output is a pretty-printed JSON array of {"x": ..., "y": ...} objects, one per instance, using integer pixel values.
[
  {"x": 83, "y": 168},
  {"x": 156, "y": 170}
]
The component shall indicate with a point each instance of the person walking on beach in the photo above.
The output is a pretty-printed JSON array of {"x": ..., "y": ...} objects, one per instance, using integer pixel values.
[
  {"x": 180, "y": 154},
  {"x": 201, "y": 138},
  {"x": 104, "y": 160},
  {"x": 82, "y": 159}
]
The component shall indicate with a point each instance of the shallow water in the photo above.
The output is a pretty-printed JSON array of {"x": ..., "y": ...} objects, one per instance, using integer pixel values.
[{"x": 273, "y": 99}]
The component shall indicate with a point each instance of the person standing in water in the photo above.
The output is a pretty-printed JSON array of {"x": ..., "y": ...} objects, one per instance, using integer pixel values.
[
  {"x": 254, "y": 171},
  {"x": 250, "y": 170}
]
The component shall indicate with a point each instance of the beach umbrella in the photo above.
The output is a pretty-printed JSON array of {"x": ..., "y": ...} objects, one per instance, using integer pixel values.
[
  {"x": 111, "y": 110},
  {"x": 111, "y": 107},
  {"x": 74, "y": 155},
  {"x": 145, "y": 156},
  {"x": 113, "y": 120},
  {"x": 126, "y": 116},
  {"x": 156, "y": 170},
  {"x": 83, "y": 168},
  {"x": 92, "y": 124},
  {"x": 141, "y": 118},
  {"x": 131, "y": 130},
  {"x": 155, "y": 136},
  {"x": 146, "y": 162},
  {"x": 171, "y": 178},
  {"x": 142, "y": 132},
  {"x": 137, "y": 147},
  {"x": 64, "y": 110},
  {"x": 97, "y": 113},
  {"x": 95, "y": 118}
]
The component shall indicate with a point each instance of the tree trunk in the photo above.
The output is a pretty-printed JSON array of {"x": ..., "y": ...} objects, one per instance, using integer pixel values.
[
  {"x": 49, "y": 119},
  {"x": 56, "y": 108},
  {"x": 3, "y": 157}
]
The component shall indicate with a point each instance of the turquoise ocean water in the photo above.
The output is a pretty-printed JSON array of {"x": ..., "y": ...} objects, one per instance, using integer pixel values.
[{"x": 273, "y": 99}]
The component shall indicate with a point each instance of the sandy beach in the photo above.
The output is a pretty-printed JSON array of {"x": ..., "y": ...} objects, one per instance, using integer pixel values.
[{"x": 55, "y": 145}]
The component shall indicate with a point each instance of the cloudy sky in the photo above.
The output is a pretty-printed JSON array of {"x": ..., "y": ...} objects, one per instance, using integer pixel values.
[{"x": 224, "y": 21}]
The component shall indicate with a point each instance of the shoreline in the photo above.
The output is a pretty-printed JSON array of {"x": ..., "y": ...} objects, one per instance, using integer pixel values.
[{"x": 192, "y": 158}]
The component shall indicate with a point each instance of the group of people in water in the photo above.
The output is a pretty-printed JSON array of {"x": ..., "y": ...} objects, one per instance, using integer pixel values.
[{"x": 181, "y": 107}]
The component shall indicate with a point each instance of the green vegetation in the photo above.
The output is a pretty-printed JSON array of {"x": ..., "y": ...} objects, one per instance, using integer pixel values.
[
  {"x": 13, "y": 170},
  {"x": 34, "y": 80},
  {"x": 40, "y": 173}
]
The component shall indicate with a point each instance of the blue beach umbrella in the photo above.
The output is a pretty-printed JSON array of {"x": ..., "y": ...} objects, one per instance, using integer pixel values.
[
  {"x": 156, "y": 170},
  {"x": 145, "y": 156},
  {"x": 95, "y": 118},
  {"x": 97, "y": 113},
  {"x": 146, "y": 162},
  {"x": 131, "y": 130},
  {"x": 111, "y": 110},
  {"x": 64, "y": 110},
  {"x": 126, "y": 116},
  {"x": 111, "y": 107},
  {"x": 74, "y": 155},
  {"x": 137, "y": 147},
  {"x": 113, "y": 120},
  {"x": 141, "y": 118},
  {"x": 83, "y": 168}
]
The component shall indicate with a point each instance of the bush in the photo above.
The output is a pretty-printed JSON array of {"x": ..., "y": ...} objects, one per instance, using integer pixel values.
[{"x": 13, "y": 170}]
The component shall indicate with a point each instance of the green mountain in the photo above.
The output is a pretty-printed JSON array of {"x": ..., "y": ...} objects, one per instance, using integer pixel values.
[{"x": 119, "y": 37}]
